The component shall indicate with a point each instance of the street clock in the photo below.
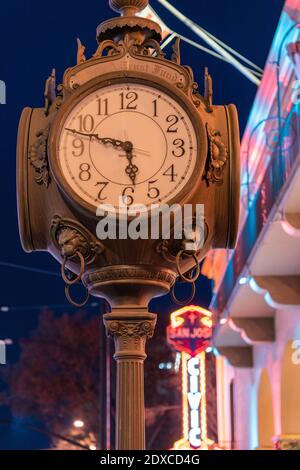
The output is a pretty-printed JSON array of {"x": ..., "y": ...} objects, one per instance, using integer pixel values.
[{"x": 128, "y": 124}]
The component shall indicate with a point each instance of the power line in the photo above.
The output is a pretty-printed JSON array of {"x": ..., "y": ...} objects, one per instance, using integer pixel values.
[
  {"x": 233, "y": 51},
  {"x": 8, "y": 308},
  {"x": 204, "y": 49},
  {"x": 28, "y": 268},
  {"x": 210, "y": 40}
]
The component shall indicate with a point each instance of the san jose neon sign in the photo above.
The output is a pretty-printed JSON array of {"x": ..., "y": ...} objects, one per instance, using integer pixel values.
[{"x": 190, "y": 333}]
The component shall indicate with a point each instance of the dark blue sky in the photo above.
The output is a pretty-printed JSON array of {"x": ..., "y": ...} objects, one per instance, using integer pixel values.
[{"x": 36, "y": 36}]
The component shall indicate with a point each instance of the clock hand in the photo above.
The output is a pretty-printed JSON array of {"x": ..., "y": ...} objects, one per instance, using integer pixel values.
[
  {"x": 136, "y": 149},
  {"x": 131, "y": 170},
  {"x": 104, "y": 140},
  {"x": 144, "y": 152},
  {"x": 108, "y": 140}
]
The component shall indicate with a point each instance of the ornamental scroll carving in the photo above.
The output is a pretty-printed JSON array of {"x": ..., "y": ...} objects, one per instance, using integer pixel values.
[
  {"x": 129, "y": 44},
  {"x": 218, "y": 156},
  {"x": 38, "y": 157},
  {"x": 130, "y": 328},
  {"x": 132, "y": 273},
  {"x": 130, "y": 334}
]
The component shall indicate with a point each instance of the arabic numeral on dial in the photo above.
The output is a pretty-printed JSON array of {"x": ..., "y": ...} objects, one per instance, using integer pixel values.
[
  {"x": 102, "y": 106},
  {"x": 128, "y": 100},
  {"x": 179, "y": 150},
  {"x": 102, "y": 185},
  {"x": 85, "y": 174},
  {"x": 127, "y": 197},
  {"x": 86, "y": 123},
  {"x": 78, "y": 146},
  {"x": 153, "y": 192},
  {"x": 171, "y": 173},
  {"x": 172, "y": 119}
]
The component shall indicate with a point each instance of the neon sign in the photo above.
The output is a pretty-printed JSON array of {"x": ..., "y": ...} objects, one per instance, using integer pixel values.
[
  {"x": 190, "y": 330},
  {"x": 190, "y": 333},
  {"x": 194, "y": 401}
]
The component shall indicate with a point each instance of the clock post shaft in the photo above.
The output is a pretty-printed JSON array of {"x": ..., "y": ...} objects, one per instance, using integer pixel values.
[{"x": 130, "y": 328}]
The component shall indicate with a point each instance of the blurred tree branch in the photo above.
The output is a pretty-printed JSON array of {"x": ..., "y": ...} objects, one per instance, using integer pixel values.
[{"x": 57, "y": 376}]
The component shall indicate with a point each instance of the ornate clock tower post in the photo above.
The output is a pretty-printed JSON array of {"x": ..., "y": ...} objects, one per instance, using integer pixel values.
[
  {"x": 130, "y": 328},
  {"x": 127, "y": 123}
]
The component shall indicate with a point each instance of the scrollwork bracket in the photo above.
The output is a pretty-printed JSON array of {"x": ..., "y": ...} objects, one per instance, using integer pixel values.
[{"x": 218, "y": 156}]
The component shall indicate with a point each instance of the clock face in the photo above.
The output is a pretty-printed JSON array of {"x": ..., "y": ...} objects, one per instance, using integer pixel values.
[{"x": 127, "y": 143}]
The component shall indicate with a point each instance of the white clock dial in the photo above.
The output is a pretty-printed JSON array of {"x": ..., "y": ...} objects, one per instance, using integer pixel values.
[{"x": 127, "y": 140}]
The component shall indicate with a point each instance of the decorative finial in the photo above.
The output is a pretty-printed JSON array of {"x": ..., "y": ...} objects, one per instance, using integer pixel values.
[
  {"x": 50, "y": 91},
  {"x": 139, "y": 28},
  {"x": 128, "y": 7},
  {"x": 208, "y": 90},
  {"x": 80, "y": 52},
  {"x": 176, "y": 52}
]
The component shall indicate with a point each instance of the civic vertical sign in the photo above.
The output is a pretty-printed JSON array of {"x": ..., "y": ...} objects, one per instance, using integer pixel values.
[{"x": 190, "y": 333}]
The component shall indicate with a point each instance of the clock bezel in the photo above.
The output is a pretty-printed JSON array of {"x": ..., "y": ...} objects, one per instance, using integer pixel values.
[{"x": 123, "y": 78}]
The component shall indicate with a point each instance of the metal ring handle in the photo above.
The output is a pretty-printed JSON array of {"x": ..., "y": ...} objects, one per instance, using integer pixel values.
[
  {"x": 192, "y": 279},
  {"x": 69, "y": 298},
  {"x": 185, "y": 301},
  {"x": 77, "y": 278}
]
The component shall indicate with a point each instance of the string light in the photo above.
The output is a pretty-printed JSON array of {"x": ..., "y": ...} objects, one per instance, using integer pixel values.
[{"x": 28, "y": 268}]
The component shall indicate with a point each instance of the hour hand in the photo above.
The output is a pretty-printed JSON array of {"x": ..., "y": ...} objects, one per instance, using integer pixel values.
[{"x": 131, "y": 169}]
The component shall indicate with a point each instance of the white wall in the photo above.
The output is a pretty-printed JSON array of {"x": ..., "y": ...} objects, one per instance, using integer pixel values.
[{"x": 246, "y": 382}]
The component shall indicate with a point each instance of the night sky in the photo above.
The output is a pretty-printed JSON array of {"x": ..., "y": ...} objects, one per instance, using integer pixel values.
[{"x": 36, "y": 36}]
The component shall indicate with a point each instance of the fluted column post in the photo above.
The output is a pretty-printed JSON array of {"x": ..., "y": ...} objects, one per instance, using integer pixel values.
[{"x": 130, "y": 328}]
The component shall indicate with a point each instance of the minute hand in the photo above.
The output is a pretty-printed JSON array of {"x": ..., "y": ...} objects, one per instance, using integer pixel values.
[
  {"x": 131, "y": 170},
  {"x": 119, "y": 144}
]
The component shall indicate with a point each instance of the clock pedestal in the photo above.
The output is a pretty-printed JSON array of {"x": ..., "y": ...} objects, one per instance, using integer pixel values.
[
  {"x": 129, "y": 289},
  {"x": 130, "y": 328}
]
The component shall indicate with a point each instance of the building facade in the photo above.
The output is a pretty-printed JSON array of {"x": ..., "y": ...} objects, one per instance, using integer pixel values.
[{"x": 256, "y": 299}]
